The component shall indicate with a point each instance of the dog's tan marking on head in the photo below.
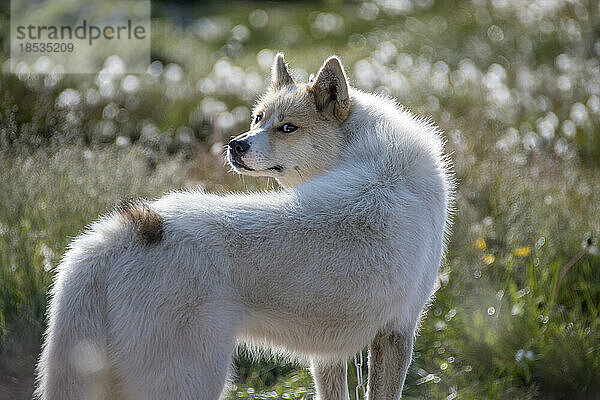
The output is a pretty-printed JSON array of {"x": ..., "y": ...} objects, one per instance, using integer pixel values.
[
  {"x": 148, "y": 223},
  {"x": 317, "y": 109}
]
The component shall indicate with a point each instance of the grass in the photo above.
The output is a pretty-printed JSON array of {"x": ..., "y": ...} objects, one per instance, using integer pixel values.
[{"x": 515, "y": 86}]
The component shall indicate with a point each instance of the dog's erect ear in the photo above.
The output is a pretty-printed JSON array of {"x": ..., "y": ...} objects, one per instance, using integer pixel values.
[
  {"x": 280, "y": 76},
  {"x": 330, "y": 89}
]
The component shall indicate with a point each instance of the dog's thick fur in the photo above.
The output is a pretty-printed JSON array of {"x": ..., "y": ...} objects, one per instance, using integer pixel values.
[{"x": 150, "y": 301}]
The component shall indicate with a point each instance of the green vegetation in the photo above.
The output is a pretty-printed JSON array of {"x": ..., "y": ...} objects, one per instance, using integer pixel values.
[{"x": 515, "y": 85}]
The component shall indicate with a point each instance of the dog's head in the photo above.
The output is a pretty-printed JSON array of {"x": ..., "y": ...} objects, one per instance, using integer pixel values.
[{"x": 295, "y": 131}]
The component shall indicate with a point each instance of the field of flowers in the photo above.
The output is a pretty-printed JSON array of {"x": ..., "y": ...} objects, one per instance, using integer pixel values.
[{"x": 514, "y": 84}]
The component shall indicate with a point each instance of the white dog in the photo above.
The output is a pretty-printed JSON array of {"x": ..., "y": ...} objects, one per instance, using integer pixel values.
[{"x": 150, "y": 301}]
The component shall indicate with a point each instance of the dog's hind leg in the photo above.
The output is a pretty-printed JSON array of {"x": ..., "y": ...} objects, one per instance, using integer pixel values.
[
  {"x": 188, "y": 360},
  {"x": 330, "y": 380},
  {"x": 389, "y": 357}
]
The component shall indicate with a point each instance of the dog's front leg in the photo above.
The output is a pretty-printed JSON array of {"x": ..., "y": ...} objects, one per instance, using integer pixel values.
[
  {"x": 389, "y": 357},
  {"x": 330, "y": 380}
]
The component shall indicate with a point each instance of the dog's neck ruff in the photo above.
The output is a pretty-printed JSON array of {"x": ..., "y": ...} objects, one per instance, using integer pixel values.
[{"x": 387, "y": 145}]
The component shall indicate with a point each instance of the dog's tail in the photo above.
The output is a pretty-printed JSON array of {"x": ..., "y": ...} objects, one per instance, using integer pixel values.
[{"x": 74, "y": 363}]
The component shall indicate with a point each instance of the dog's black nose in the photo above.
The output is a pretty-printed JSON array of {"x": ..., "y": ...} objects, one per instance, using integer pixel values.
[{"x": 238, "y": 147}]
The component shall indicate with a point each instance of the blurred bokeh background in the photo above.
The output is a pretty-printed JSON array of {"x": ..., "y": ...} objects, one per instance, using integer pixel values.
[{"x": 514, "y": 84}]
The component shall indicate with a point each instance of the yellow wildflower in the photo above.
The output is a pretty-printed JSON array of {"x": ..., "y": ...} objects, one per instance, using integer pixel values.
[
  {"x": 480, "y": 244},
  {"x": 522, "y": 251},
  {"x": 489, "y": 259}
]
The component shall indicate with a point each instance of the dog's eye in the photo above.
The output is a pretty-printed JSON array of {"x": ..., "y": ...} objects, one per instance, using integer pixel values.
[
  {"x": 258, "y": 118},
  {"x": 287, "y": 128}
]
